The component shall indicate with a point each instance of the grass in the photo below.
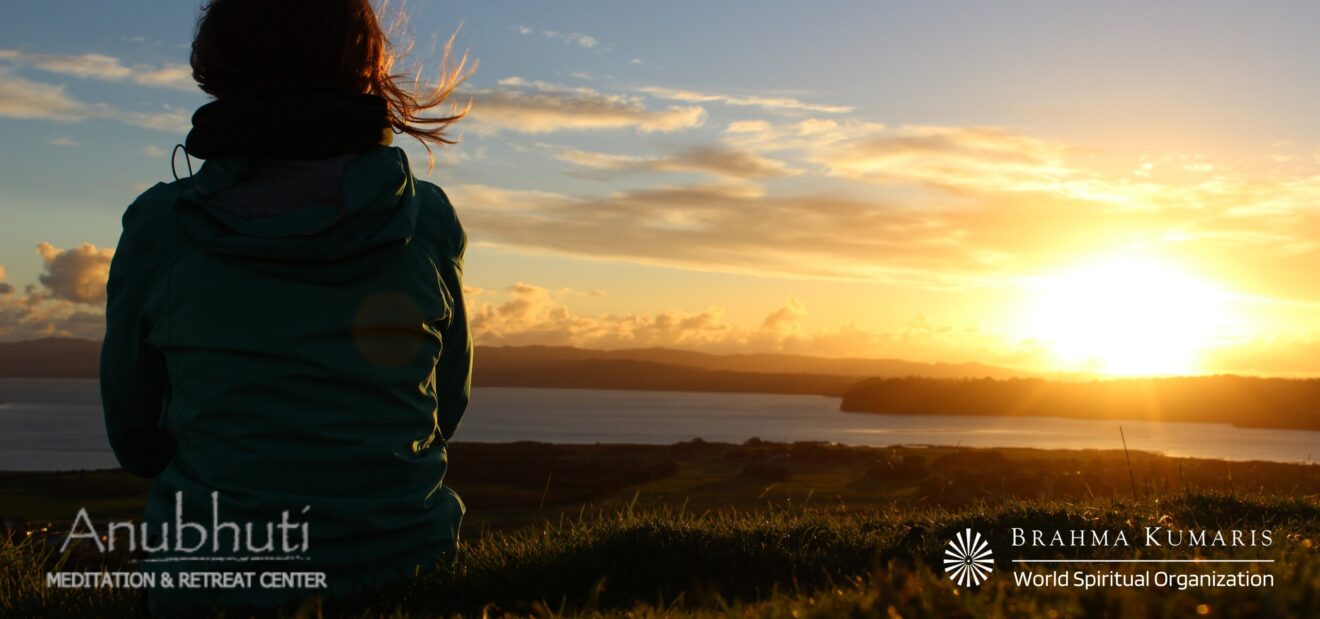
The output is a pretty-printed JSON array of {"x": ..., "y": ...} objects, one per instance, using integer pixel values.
[
  {"x": 668, "y": 561},
  {"x": 514, "y": 485},
  {"x": 761, "y": 529}
]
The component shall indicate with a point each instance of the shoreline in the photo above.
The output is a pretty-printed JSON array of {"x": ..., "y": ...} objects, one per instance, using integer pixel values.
[
  {"x": 841, "y": 405},
  {"x": 1041, "y": 451}
]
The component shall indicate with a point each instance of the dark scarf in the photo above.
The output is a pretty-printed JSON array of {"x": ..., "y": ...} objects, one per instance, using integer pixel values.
[{"x": 290, "y": 122}]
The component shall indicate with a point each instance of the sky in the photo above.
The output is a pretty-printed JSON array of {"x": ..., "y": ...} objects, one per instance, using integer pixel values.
[{"x": 1113, "y": 187}]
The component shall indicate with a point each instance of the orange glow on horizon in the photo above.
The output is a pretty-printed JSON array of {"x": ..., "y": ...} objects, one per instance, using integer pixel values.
[{"x": 1129, "y": 316}]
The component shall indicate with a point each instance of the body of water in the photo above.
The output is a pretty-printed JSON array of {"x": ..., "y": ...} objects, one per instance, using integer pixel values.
[{"x": 56, "y": 425}]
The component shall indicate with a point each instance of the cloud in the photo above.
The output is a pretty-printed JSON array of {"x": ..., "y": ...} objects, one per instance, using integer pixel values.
[
  {"x": 176, "y": 76},
  {"x": 491, "y": 199},
  {"x": 22, "y": 320},
  {"x": 77, "y": 275},
  {"x": 22, "y": 98},
  {"x": 739, "y": 229},
  {"x": 925, "y": 206},
  {"x": 714, "y": 160},
  {"x": 960, "y": 159},
  {"x": 530, "y": 314},
  {"x": 527, "y": 314},
  {"x": 983, "y": 158},
  {"x": 785, "y": 319},
  {"x": 807, "y": 135},
  {"x": 169, "y": 118},
  {"x": 957, "y": 242},
  {"x": 571, "y": 38},
  {"x": 63, "y": 140},
  {"x": 770, "y": 103},
  {"x": 538, "y": 107},
  {"x": 106, "y": 68},
  {"x": 69, "y": 300},
  {"x": 25, "y": 99}
]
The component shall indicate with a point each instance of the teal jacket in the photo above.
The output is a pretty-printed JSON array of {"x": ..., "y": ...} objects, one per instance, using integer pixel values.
[{"x": 313, "y": 360}]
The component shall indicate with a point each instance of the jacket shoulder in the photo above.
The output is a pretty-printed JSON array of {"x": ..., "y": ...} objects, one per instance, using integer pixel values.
[
  {"x": 437, "y": 222},
  {"x": 148, "y": 229}
]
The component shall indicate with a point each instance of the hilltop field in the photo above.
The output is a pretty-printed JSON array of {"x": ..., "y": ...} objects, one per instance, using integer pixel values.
[{"x": 764, "y": 530}]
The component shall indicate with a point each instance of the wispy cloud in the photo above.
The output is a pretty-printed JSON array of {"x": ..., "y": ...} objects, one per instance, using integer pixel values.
[
  {"x": 951, "y": 157},
  {"x": 539, "y": 107},
  {"x": 948, "y": 208},
  {"x": 26, "y": 99},
  {"x": 105, "y": 68},
  {"x": 570, "y": 38},
  {"x": 168, "y": 118},
  {"x": 714, "y": 160},
  {"x": 765, "y": 102},
  {"x": 729, "y": 228},
  {"x": 23, "y": 98}
]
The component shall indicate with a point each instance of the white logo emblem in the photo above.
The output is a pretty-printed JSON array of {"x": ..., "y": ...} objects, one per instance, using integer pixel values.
[{"x": 969, "y": 560}]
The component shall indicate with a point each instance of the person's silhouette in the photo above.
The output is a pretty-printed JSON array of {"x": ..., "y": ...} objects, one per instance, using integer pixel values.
[{"x": 286, "y": 347}]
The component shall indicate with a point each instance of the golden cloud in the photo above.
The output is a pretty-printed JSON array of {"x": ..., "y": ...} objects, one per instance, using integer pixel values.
[
  {"x": 77, "y": 275},
  {"x": 526, "y": 314},
  {"x": 67, "y": 302},
  {"x": 714, "y": 160}
]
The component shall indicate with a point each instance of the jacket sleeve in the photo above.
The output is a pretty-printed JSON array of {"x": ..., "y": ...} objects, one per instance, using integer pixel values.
[
  {"x": 453, "y": 371},
  {"x": 134, "y": 382}
]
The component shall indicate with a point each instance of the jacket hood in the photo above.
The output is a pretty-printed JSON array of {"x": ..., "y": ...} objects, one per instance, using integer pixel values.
[{"x": 293, "y": 220}]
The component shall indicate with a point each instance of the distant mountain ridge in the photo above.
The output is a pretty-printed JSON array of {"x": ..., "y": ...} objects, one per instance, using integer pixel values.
[
  {"x": 55, "y": 357},
  {"x": 771, "y": 363},
  {"x": 1245, "y": 401},
  {"x": 568, "y": 367}
]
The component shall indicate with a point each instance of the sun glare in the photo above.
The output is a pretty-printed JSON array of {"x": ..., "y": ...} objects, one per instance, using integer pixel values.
[{"x": 1128, "y": 316}]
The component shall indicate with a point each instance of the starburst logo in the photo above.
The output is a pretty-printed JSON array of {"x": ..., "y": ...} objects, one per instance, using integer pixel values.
[{"x": 968, "y": 559}]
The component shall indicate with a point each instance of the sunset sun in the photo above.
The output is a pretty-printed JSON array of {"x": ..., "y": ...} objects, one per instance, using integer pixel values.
[{"x": 1128, "y": 316}]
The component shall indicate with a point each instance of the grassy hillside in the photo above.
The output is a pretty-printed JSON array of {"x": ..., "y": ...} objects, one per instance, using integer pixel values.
[
  {"x": 780, "y": 563},
  {"x": 511, "y": 485},
  {"x": 763, "y": 529}
]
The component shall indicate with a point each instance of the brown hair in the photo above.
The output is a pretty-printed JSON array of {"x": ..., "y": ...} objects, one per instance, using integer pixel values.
[{"x": 246, "y": 45}]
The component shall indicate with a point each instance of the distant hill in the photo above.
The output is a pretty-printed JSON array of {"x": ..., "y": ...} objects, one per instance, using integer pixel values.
[
  {"x": 865, "y": 385},
  {"x": 595, "y": 373},
  {"x": 1237, "y": 400},
  {"x": 764, "y": 363},
  {"x": 563, "y": 366},
  {"x": 50, "y": 358}
]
